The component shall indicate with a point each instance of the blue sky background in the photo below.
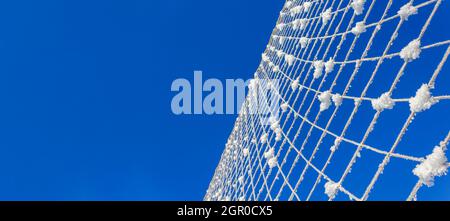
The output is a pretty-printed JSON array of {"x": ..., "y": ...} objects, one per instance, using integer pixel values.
[{"x": 85, "y": 95}]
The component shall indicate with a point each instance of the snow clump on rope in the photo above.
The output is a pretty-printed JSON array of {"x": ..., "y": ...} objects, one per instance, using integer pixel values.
[
  {"x": 337, "y": 99},
  {"x": 307, "y": 6},
  {"x": 294, "y": 84},
  {"x": 263, "y": 138},
  {"x": 359, "y": 28},
  {"x": 383, "y": 102},
  {"x": 303, "y": 42},
  {"x": 289, "y": 59},
  {"x": 358, "y": 6},
  {"x": 411, "y": 51},
  {"x": 423, "y": 99},
  {"x": 318, "y": 68},
  {"x": 325, "y": 100},
  {"x": 326, "y": 16},
  {"x": 284, "y": 107},
  {"x": 331, "y": 189},
  {"x": 329, "y": 66},
  {"x": 434, "y": 165},
  {"x": 406, "y": 11}
]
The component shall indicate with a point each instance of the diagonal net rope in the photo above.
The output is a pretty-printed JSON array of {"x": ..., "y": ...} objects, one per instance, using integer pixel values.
[{"x": 314, "y": 43}]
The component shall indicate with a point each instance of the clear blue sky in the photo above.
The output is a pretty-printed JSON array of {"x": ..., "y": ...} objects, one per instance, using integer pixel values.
[
  {"x": 85, "y": 94},
  {"x": 85, "y": 97}
]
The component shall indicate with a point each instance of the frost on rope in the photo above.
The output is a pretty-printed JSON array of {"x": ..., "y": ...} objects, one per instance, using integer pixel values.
[
  {"x": 337, "y": 141},
  {"x": 295, "y": 24},
  {"x": 279, "y": 53},
  {"x": 281, "y": 40},
  {"x": 383, "y": 102},
  {"x": 252, "y": 86},
  {"x": 434, "y": 165},
  {"x": 289, "y": 59},
  {"x": 331, "y": 189},
  {"x": 411, "y": 51},
  {"x": 275, "y": 126},
  {"x": 299, "y": 24},
  {"x": 294, "y": 84},
  {"x": 270, "y": 153},
  {"x": 241, "y": 180},
  {"x": 406, "y": 11},
  {"x": 272, "y": 162},
  {"x": 245, "y": 151},
  {"x": 307, "y": 6},
  {"x": 325, "y": 100},
  {"x": 275, "y": 69},
  {"x": 274, "y": 123},
  {"x": 329, "y": 66},
  {"x": 270, "y": 157},
  {"x": 284, "y": 107},
  {"x": 288, "y": 4},
  {"x": 357, "y": 101},
  {"x": 264, "y": 57},
  {"x": 359, "y": 28},
  {"x": 326, "y": 16},
  {"x": 263, "y": 138},
  {"x": 280, "y": 26},
  {"x": 337, "y": 99},
  {"x": 318, "y": 69},
  {"x": 296, "y": 10},
  {"x": 358, "y": 6},
  {"x": 423, "y": 99},
  {"x": 278, "y": 134},
  {"x": 303, "y": 42}
]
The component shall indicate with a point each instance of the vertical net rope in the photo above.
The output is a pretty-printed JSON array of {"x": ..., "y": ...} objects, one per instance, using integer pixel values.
[{"x": 337, "y": 65}]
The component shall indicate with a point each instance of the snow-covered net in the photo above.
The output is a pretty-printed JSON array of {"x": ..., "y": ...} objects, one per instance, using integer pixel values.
[{"x": 348, "y": 128}]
